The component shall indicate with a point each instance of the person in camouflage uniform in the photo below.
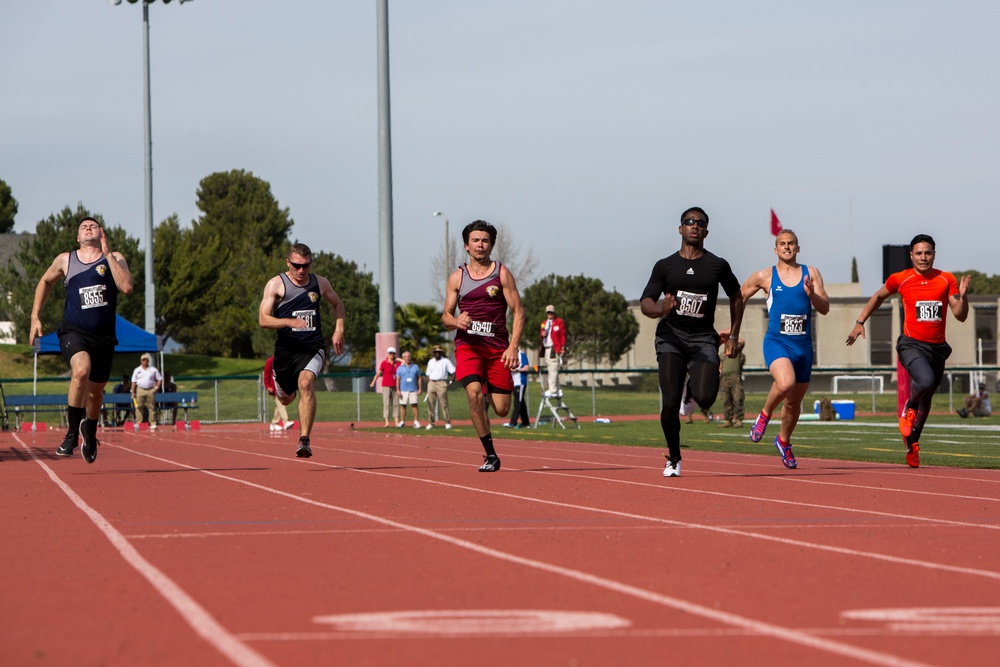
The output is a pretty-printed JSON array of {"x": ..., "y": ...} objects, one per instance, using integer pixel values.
[{"x": 731, "y": 387}]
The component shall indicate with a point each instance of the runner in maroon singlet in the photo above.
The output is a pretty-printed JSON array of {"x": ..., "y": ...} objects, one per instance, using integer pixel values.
[{"x": 481, "y": 291}]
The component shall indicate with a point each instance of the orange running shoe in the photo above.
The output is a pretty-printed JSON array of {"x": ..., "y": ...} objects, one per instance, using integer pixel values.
[
  {"x": 906, "y": 422},
  {"x": 912, "y": 454}
]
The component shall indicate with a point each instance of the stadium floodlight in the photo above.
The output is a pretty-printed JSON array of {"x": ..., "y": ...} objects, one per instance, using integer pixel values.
[{"x": 150, "y": 289}]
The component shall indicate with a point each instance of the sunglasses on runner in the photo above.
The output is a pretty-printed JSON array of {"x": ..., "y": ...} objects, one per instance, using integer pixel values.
[
  {"x": 691, "y": 222},
  {"x": 305, "y": 265}
]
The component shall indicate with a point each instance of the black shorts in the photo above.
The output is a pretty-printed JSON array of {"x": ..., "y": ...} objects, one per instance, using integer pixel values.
[
  {"x": 910, "y": 349},
  {"x": 694, "y": 348},
  {"x": 288, "y": 364},
  {"x": 101, "y": 351}
]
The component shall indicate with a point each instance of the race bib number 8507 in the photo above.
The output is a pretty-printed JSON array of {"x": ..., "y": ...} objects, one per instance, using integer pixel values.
[{"x": 690, "y": 304}]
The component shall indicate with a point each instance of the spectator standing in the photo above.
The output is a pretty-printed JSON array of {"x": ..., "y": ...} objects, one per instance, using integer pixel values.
[
  {"x": 520, "y": 377},
  {"x": 553, "y": 335},
  {"x": 387, "y": 371},
  {"x": 94, "y": 276},
  {"x": 409, "y": 384},
  {"x": 439, "y": 368},
  {"x": 146, "y": 382},
  {"x": 731, "y": 386}
]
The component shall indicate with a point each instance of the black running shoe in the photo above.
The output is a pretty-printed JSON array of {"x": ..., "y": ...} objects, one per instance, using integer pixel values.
[
  {"x": 90, "y": 442},
  {"x": 491, "y": 463},
  {"x": 68, "y": 446},
  {"x": 304, "y": 451}
]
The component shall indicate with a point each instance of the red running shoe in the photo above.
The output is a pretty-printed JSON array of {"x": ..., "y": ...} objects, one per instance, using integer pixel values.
[
  {"x": 906, "y": 422},
  {"x": 912, "y": 455}
]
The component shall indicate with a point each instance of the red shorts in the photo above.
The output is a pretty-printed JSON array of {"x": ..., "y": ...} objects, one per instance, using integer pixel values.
[{"x": 476, "y": 364}]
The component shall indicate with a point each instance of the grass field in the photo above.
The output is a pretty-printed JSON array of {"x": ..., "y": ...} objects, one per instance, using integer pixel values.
[{"x": 946, "y": 441}]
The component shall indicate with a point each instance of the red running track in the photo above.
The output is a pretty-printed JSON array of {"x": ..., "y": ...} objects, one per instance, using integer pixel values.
[{"x": 219, "y": 547}]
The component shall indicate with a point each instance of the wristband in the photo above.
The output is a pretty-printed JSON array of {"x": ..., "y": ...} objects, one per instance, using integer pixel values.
[{"x": 859, "y": 322}]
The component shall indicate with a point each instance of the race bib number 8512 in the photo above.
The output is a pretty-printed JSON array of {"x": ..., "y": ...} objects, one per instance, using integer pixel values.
[{"x": 928, "y": 311}]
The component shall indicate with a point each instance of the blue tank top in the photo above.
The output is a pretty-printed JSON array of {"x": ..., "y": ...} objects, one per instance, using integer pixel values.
[
  {"x": 300, "y": 302},
  {"x": 91, "y": 297},
  {"x": 789, "y": 309}
]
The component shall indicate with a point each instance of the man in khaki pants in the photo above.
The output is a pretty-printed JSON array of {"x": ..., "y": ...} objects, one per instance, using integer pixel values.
[{"x": 146, "y": 382}]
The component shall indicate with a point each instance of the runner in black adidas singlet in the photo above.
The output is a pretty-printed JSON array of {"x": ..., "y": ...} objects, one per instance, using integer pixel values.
[
  {"x": 480, "y": 292},
  {"x": 686, "y": 340},
  {"x": 291, "y": 305},
  {"x": 93, "y": 276}
]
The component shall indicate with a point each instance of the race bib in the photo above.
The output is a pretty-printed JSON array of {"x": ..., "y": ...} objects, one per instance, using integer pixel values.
[
  {"x": 481, "y": 329},
  {"x": 928, "y": 311},
  {"x": 92, "y": 297},
  {"x": 793, "y": 325},
  {"x": 307, "y": 316},
  {"x": 691, "y": 305}
]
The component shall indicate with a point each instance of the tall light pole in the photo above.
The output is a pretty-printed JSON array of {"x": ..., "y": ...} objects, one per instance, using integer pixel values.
[
  {"x": 447, "y": 261},
  {"x": 150, "y": 288}
]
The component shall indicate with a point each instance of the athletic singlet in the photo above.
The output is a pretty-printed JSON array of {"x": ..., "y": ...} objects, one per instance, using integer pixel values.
[
  {"x": 789, "y": 309},
  {"x": 484, "y": 301},
  {"x": 300, "y": 302},
  {"x": 694, "y": 283},
  {"x": 91, "y": 297},
  {"x": 925, "y": 302}
]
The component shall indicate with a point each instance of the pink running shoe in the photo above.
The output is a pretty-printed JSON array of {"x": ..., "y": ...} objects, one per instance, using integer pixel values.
[{"x": 758, "y": 428}]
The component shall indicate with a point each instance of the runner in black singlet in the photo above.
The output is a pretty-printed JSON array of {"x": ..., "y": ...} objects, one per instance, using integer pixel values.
[
  {"x": 93, "y": 277},
  {"x": 686, "y": 340},
  {"x": 291, "y": 305}
]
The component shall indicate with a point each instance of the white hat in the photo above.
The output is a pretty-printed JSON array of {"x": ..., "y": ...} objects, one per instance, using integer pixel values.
[
  {"x": 391, "y": 350},
  {"x": 550, "y": 308}
]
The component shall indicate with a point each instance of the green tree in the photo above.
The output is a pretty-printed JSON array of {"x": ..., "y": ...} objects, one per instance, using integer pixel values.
[
  {"x": 420, "y": 329},
  {"x": 214, "y": 273},
  {"x": 980, "y": 283},
  {"x": 854, "y": 270},
  {"x": 54, "y": 235},
  {"x": 598, "y": 322},
  {"x": 8, "y": 207}
]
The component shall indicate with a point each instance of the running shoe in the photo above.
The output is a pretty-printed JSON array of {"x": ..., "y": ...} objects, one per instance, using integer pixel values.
[
  {"x": 758, "y": 428},
  {"x": 68, "y": 446},
  {"x": 304, "y": 451},
  {"x": 906, "y": 422},
  {"x": 963, "y": 413},
  {"x": 491, "y": 463},
  {"x": 912, "y": 454},
  {"x": 673, "y": 468},
  {"x": 90, "y": 442},
  {"x": 786, "y": 453}
]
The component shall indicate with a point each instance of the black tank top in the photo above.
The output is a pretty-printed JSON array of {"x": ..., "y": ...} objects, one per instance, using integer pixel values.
[
  {"x": 300, "y": 302},
  {"x": 91, "y": 297}
]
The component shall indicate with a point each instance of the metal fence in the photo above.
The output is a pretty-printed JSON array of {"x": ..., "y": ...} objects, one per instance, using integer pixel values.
[{"x": 346, "y": 397}]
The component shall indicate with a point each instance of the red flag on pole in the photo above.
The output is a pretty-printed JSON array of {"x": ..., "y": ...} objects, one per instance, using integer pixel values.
[{"x": 775, "y": 224}]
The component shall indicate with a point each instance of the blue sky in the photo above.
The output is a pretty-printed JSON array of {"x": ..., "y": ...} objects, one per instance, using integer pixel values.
[{"x": 584, "y": 127}]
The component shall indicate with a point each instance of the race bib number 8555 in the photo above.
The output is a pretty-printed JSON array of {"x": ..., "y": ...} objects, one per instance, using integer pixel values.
[{"x": 92, "y": 297}]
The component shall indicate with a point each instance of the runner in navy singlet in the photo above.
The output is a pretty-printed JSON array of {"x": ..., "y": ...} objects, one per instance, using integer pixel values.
[
  {"x": 793, "y": 290},
  {"x": 291, "y": 305},
  {"x": 481, "y": 291},
  {"x": 94, "y": 276},
  {"x": 686, "y": 340}
]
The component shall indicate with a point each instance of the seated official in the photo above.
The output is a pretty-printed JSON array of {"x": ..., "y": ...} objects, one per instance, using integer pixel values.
[{"x": 978, "y": 404}]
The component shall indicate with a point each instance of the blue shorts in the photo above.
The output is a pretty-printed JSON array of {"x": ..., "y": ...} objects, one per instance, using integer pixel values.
[{"x": 800, "y": 354}]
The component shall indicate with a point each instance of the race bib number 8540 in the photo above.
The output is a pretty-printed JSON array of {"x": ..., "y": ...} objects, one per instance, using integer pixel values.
[{"x": 481, "y": 329}]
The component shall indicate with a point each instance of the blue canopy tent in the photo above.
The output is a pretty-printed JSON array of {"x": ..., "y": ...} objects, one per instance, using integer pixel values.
[{"x": 130, "y": 339}]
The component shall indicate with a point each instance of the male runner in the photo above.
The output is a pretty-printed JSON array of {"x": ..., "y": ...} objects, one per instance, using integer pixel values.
[
  {"x": 921, "y": 347},
  {"x": 793, "y": 290},
  {"x": 686, "y": 340},
  {"x": 291, "y": 305},
  {"x": 482, "y": 290},
  {"x": 94, "y": 275}
]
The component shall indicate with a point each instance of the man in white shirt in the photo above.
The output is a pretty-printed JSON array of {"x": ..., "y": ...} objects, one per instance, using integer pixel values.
[
  {"x": 146, "y": 382},
  {"x": 439, "y": 367}
]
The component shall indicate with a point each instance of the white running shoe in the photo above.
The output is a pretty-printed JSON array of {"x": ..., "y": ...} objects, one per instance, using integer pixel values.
[
  {"x": 400, "y": 424},
  {"x": 673, "y": 468},
  {"x": 447, "y": 426},
  {"x": 152, "y": 427},
  {"x": 416, "y": 423},
  {"x": 275, "y": 427},
  {"x": 430, "y": 426},
  {"x": 288, "y": 425}
]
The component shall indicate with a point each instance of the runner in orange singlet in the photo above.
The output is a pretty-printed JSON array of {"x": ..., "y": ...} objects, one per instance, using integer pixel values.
[{"x": 922, "y": 347}]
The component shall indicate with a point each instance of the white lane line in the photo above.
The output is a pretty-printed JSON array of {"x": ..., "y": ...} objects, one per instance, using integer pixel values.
[
  {"x": 768, "y": 629},
  {"x": 199, "y": 620}
]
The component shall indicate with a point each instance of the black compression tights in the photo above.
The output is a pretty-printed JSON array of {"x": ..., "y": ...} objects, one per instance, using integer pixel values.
[
  {"x": 704, "y": 389},
  {"x": 924, "y": 380}
]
